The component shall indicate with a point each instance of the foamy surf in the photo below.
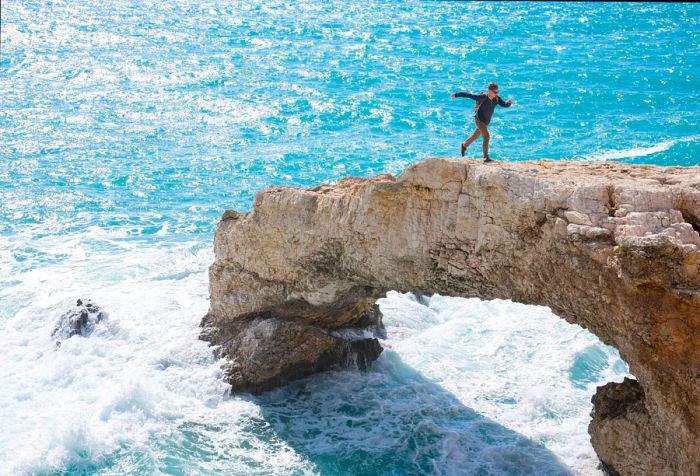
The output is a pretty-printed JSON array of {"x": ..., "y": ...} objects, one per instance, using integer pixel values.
[
  {"x": 463, "y": 384},
  {"x": 141, "y": 394},
  {"x": 634, "y": 152}
]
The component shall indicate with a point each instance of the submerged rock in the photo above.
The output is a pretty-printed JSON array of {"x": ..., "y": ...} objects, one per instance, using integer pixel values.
[
  {"x": 79, "y": 320},
  {"x": 611, "y": 247},
  {"x": 361, "y": 353}
]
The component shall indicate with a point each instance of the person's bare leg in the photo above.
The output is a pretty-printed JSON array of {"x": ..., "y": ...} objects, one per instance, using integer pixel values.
[{"x": 471, "y": 139}]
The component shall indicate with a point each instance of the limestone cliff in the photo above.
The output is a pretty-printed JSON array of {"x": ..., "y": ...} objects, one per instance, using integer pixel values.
[{"x": 612, "y": 247}]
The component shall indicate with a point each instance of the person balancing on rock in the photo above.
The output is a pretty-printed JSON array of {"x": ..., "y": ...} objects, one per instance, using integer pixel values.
[{"x": 483, "y": 110}]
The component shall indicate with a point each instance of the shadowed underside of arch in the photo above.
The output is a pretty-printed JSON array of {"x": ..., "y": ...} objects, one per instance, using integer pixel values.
[{"x": 611, "y": 247}]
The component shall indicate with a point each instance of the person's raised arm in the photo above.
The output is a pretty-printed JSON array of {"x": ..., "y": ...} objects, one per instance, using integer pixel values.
[
  {"x": 504, "y": 104},
  {"x": 466, "y": 95}
]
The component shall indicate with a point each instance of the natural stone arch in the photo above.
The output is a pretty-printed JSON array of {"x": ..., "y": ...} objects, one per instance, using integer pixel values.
[{"x": 606, "y": 246}]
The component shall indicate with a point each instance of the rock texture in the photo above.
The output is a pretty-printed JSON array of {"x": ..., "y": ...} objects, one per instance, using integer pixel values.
[
  {"x": 80, "y": 319},
  {"x": 621, "y": 425},
  {"x": 612, "y": 247}
]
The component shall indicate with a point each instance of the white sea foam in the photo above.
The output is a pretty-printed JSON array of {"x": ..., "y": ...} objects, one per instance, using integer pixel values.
[
  {"x": 509, "y": 362},
  {"x": 142, "y": 387},
  {"x": 135, "y": 383},
  {"x": 634, "y": 152}
]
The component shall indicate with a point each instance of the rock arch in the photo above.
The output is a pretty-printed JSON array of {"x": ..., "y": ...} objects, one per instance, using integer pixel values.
[{"x": 611, "y": 247}]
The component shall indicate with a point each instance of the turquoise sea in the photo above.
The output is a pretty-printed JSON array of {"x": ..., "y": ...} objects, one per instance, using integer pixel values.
[{"x": 126, "y": 128}]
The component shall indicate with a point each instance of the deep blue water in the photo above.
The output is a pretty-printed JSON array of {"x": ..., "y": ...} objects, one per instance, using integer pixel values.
[{"x": 126, "y": 128}]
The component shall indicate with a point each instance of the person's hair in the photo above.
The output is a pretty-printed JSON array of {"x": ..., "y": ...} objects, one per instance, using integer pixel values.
[{"x": 493, "y": 86}]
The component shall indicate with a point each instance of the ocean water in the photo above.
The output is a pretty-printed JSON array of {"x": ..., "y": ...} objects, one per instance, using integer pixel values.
[{"x": 126, "y": 128}]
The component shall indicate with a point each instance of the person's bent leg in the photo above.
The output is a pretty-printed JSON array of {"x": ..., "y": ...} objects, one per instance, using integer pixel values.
[{"x": 471, "y": 139}]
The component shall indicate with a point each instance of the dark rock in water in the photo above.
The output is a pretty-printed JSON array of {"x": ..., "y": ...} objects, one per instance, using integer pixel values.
[
  {"x": 363, "y": 352},
  {"x": 372, "y": 321},
  {"x": 80, "y": 319},
  {"x": 276, "y": 351}
]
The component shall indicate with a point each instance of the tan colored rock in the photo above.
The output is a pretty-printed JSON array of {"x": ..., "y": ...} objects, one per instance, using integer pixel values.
[
  {"x": 611, "y": 247},
  {"x": 621, "y": 425},
  {"x": 264, "y": 361}
]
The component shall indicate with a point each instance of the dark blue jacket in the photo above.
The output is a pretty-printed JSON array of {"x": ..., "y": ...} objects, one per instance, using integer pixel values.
[{"x": 484, "y": 106}]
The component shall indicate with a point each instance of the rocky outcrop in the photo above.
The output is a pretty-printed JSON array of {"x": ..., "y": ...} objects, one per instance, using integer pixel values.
[
  {"x": 80, "y": 319},
  {"x": 621, "y": 425},
  {"x": 612, "y": 247},
  {"x": 271, "y": 351}
]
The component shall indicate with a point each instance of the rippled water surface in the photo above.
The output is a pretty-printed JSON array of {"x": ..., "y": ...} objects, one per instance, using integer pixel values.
[{"x": 126, "y": 128}]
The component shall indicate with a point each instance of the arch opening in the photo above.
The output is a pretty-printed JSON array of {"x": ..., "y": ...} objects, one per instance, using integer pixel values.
[{"x": 519, "y": 365}]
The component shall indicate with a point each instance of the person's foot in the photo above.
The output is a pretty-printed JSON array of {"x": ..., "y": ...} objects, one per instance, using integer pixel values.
[
  {"x": 488, "y": 159},
  {"x": 464, "y": 149}
]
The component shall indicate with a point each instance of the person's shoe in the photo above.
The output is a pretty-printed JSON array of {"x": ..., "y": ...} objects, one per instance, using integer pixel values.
[
  {"x": 488, "y": 159},
  {"x": 464, "y": 149}
]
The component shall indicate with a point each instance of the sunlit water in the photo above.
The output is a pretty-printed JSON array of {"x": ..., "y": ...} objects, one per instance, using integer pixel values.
[{"x": 127, "y": 128}]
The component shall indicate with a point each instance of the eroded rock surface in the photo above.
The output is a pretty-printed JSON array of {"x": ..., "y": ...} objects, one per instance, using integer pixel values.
[
  {"x": 621, "y": 425},
  {"x": 80, "y": 319},
  {"x": 611, "y": 247}
]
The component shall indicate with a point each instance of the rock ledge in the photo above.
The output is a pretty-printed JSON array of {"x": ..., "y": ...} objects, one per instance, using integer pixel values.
[{"x": 612, "y": 247}]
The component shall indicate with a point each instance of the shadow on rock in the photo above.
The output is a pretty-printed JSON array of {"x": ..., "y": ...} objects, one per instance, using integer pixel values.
[{"x": 392, "y": 420}]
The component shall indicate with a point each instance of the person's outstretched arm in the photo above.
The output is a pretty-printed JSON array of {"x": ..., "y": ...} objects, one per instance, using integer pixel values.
[
  {"x": 466, "y": 95},
  {"x": 504, "y": 104}
]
